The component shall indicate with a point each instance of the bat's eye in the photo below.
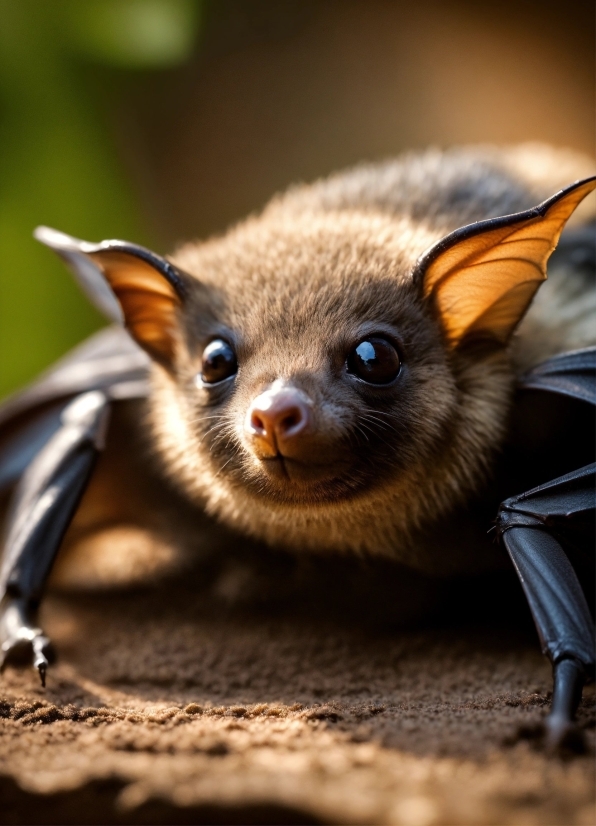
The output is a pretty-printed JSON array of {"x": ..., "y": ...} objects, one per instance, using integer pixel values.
[
  {"x": 219, "y": 362},
  {"x": 375, "y": 360}
]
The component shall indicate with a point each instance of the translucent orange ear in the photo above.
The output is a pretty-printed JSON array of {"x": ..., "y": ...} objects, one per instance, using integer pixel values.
[
  {"x": 149, "y": 290},
  {"x": 481, "y": 279}
]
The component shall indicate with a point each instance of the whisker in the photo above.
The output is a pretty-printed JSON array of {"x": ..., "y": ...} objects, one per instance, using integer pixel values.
[
  {"x": 359, "y": 429},
  {"x": 206, "y": 418},
  {"x": 379, "y": 422}
]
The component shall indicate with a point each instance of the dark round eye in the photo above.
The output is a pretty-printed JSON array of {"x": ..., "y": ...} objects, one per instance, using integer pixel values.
[
  {"x": 219, "y": 362},
  {"x": 375, "y": 360}
]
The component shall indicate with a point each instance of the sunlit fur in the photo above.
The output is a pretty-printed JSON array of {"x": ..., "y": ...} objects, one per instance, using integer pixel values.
[{"x": 294, "y": 289}]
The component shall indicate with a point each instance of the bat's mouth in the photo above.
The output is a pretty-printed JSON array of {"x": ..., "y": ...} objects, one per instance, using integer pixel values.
[
  {"x": 293, "y": 472},
  {"x": 282, "y": 479}
]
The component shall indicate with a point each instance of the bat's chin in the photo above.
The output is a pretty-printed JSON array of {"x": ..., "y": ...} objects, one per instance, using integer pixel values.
[{"x": 288, "y": 480}]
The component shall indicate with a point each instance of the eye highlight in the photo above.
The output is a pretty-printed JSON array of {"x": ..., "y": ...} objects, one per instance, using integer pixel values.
[
  {"x": 218, "y": 362},
  {"x": 375, "y": 360}
]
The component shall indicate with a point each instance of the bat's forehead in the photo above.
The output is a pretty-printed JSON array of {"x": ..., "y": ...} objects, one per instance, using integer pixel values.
[{"x": 288, "y": 277}]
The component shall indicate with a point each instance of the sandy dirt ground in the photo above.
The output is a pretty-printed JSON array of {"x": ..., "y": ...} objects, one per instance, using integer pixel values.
[{"x": 172, "y": 705}]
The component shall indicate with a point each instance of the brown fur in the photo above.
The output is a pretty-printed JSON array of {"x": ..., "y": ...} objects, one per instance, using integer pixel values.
[{"x": 294, "y": 288}]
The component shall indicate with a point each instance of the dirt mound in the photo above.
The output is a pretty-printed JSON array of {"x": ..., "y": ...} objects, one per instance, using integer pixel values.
[{"x": 167, "y": 706}]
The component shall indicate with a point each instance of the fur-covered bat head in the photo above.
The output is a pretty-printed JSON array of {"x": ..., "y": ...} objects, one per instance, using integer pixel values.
[{"x": 321, "y": 381}]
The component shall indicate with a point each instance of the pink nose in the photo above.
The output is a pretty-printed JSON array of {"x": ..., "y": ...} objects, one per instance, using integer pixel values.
[{"x": 277, "y": 418}]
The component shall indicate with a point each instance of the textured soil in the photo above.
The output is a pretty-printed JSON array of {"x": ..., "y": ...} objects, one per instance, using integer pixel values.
[{"x": 174, "y": 705}]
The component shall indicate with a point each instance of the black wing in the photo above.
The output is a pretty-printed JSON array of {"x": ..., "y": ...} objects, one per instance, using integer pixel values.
[
  {"x": 109, "y": 361},
  {"x": 538, "y": 528},
  {"x": 50, "y": 437},
  {"x": 570, "y": 374}
]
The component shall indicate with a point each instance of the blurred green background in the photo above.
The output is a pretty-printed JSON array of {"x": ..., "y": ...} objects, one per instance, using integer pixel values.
[{"x": 160, "y": 120}]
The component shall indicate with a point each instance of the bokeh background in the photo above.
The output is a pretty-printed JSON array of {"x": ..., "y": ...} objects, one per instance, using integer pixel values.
[{"x": 163, "y": 120}]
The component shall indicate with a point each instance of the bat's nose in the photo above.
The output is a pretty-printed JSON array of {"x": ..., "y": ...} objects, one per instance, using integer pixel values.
[{"x": 277, "y": 419}]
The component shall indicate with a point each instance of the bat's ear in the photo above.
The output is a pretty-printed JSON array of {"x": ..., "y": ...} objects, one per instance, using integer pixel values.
[
  {"x": 481, "y": 279},
  {"x": 129, "y": 284}
]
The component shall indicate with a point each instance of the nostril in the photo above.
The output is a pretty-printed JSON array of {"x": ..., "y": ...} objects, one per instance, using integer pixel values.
[
  {"x": 257, "y": 423},
  {"x": 290, "y": 421}
]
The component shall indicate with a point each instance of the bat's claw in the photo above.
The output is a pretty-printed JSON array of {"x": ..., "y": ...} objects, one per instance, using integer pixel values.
[
  {"x": 40, "y": 646},
  {"x": 563, "y": 737},
  {"x": 42, "y": 669},
  {"x": 21, "y": 642},
  {"x": 559, "y": 734},
  {"x": 555, "y": 736}
]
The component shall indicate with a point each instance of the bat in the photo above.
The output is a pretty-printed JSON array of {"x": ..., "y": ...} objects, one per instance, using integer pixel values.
[{"x": 341, "y": 373}]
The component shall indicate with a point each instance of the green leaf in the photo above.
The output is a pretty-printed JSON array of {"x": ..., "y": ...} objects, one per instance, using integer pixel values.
[{"x": 133, "y": 33}]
